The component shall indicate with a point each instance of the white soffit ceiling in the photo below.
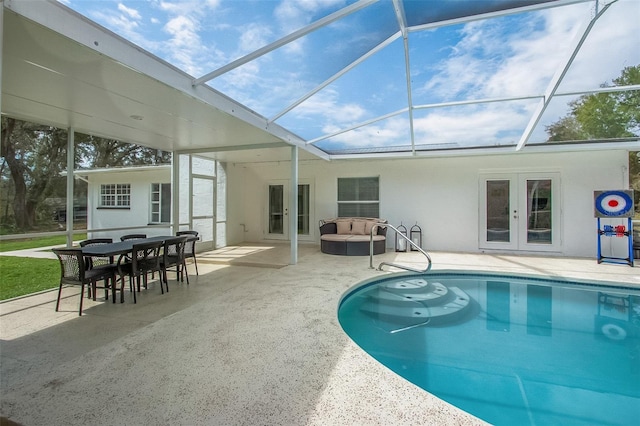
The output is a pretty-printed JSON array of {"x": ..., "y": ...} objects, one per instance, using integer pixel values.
[{"x": 49, "y": 78}]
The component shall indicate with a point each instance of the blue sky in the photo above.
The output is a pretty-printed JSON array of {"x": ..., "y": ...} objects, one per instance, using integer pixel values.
[{"x": 511, "y": 56}]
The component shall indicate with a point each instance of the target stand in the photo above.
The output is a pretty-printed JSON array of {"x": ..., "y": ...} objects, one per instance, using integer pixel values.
[{"x": 615, "y": 204}]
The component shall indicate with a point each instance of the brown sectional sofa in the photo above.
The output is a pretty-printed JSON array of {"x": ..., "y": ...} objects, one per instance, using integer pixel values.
[{"x": 350, "y": 236}]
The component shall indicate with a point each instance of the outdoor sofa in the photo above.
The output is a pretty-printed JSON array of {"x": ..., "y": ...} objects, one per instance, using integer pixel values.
[{"x": 350, "y": 236}]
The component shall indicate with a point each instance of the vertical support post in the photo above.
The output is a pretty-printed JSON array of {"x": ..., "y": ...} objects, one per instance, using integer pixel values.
[
  {"x": 70, "y": 169},
  {"x": 293, "y": 206},
  {"x": 190, "y": 191},
  {"x": 1, "y": 46},
  {"x": 630, "y": 240},
  {"x": 599, "y": 243},
  {"x": 175, "y": 192}
]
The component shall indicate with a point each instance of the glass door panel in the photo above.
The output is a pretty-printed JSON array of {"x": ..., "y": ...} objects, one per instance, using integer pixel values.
[
  {"x": 539, "y": 218},
  {"x": 277, "y": 224},
  {"x": 519, "y": 211},
  {"x": 498, "y": 226},
  {"x": 304, "y": 196},
  {"x": 277, "y": 210}
]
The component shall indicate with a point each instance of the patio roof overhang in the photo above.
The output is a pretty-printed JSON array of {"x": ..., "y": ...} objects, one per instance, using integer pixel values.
[{"x": 62, "y": 69}]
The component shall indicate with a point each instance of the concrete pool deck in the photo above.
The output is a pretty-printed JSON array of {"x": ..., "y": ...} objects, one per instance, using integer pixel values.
[{"x": 251, "y": 341}]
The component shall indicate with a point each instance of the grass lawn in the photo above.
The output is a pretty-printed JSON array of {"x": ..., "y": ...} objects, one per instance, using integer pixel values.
[
  {"x": 28, "y": 243},
  {"x": 24, "y": 275}
]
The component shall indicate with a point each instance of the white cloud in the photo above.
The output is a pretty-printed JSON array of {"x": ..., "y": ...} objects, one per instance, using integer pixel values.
[
  {"x": 185, "y": 48},
  {"x": 125, "y": 21},
  {"x": 291, "y": 15},
  {"x": 494, "y": 123},
  {"x": 294, "y": 14},
  {"x": 325, "y": 106},
  {"x": 253, "y": 37},
  {"x": 393, "y": 131},
  {"x": 493, "y": 61},
  {"x": 132, "y": 13}
]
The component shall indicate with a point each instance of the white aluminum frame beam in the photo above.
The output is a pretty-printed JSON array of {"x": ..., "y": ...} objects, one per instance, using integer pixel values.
[
  {"x": 339, "y": 74},
  {"x": 558, "y": 77},
  {"x": 402, "y": 23},
  {"x": 284, "y": 40},
  {"x": 506, "y": 12},
  {"x": 364, "y": 123}
]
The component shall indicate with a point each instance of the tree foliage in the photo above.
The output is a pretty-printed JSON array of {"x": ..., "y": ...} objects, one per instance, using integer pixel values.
[
  {"x": 34, "y": 155},
  {"x": 607, "y": 115}
]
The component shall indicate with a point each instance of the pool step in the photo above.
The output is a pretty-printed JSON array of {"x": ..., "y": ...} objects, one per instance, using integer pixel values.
[
  {"x": 417, "y": 302},
  {"x": 432, "y": 294}
]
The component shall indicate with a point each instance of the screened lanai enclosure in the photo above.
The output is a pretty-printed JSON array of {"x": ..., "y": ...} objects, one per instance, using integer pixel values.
[{"x": 291, "y": 83}]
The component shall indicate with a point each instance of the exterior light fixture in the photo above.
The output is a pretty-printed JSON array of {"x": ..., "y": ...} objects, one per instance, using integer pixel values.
[
  {"x": 416, "y": 236},
  {"x": 401, "y": 243}
]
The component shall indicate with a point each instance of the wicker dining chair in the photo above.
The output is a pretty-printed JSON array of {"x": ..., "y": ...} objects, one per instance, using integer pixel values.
[
  {"x": 73, "y": 271},
  {"x": 92, "y": 262},
  {"x": 133, "y": 237},
  {"x": 190, "y": 246},
  {"x": 173, "y": 256},
  {"x": 143, "y": 259}
]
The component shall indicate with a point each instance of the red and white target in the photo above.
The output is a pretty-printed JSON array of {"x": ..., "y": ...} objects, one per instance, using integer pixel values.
[{"x": 614, "y": 203}]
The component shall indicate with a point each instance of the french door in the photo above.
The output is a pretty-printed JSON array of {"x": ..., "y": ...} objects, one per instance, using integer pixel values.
[
  {"x": 520, "y": 211},
  {"x": 277, "y": 217}
]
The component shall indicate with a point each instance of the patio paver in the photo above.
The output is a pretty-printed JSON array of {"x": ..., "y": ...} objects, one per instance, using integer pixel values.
[{"x": 240, "y": 345}]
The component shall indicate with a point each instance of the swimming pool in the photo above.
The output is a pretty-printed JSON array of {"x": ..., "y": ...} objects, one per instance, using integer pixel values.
[{"x": 509, "y": 349}]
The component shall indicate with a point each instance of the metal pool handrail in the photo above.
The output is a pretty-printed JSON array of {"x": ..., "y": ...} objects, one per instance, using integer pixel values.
[{"x": 408, "y": 268}]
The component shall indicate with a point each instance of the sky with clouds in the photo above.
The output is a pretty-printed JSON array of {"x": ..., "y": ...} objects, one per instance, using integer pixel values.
[{"x": 513, "y": 56}]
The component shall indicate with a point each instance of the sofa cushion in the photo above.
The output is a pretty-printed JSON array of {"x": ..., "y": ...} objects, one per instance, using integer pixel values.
[
  {"x": 364, "y": 238},
  {"x": 335, "y": 237},
  {"x": 344, "y": 227},
  {"x": 358, "y": 227},
  {"x": 370, "y": 224}
]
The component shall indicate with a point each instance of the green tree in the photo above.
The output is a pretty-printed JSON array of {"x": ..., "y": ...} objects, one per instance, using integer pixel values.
[
  {"x": 97, "y": 152},
  {"x": 566, "y": 129},
  {"x": 34, "y": 155},
  {"x": 607, "y": 115}
]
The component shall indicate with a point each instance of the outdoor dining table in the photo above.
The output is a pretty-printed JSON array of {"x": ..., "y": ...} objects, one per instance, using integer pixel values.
[
  {"x": 121, "y": 248},
  {"x": 124, "y": 247}
]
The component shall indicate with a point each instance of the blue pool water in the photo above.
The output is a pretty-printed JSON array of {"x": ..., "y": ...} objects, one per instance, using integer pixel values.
[{"x": 511, "y": 350}]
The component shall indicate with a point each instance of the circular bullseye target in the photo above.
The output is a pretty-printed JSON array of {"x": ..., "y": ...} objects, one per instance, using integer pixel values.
[{"x": 614, "y": 203}]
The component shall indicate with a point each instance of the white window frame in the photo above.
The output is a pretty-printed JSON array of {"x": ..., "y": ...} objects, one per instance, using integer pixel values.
[
  {"x": 156, "y": 216},
  {"x": 115, "y": 195}
]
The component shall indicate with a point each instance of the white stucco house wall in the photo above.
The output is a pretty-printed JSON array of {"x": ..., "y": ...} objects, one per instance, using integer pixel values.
[
  {"x": 445, "y": 196},
  {"x": 135, "y": 198}
]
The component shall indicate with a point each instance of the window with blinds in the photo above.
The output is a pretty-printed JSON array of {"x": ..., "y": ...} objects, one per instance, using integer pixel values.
[{"x": 359, "y": 197}]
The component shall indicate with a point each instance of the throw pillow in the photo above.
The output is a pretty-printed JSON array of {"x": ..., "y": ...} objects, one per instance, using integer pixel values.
[
  {"x": 357, "y": 227},
  {"x": 368, "y": 225},
  {"x": 344, "y": 227}
]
